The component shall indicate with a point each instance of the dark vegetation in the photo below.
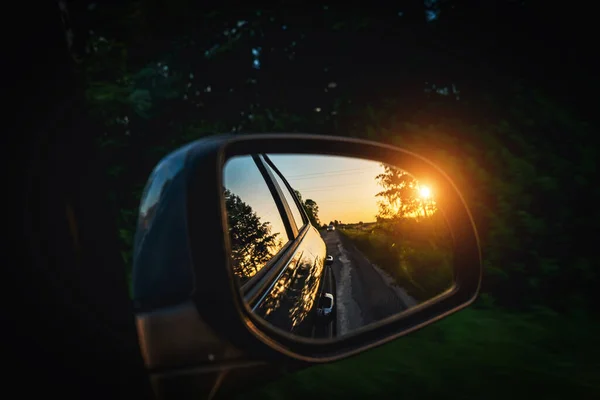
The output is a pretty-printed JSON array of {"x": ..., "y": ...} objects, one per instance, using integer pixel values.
[
  {"x": 252, "y": 242},
  {"x": 501, "y": 94},
  {"x": 311, "y": 208},
  {"x": 422, "y": 268}
]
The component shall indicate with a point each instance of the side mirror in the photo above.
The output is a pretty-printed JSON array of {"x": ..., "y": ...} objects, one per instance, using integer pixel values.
[{"x": 229, "y": 221}]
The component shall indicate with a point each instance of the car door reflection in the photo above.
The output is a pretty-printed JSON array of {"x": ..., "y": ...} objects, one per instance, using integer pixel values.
[{"x": 291, "y": 301}]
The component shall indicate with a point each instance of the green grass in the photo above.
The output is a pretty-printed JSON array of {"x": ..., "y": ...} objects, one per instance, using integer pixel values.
[{"x": 473, "y": 354}]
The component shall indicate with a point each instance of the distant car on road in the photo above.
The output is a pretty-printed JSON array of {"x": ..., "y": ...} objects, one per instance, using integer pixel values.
[{"x": 330, "y": 228}]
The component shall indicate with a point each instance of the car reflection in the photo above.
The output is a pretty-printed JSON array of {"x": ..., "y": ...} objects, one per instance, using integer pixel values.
[
  {"x": 279, "y": 291},
  {"x": 289, "y": 302}
]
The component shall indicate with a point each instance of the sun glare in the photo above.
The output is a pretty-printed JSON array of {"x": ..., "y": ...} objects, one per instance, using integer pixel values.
[{"x": 424, "y": 192}]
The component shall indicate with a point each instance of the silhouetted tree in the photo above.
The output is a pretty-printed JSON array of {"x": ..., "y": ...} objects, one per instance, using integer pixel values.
[
  {"x": 311, "y": 208},
  {"x": 400, "y": 195},
  {"x": 252, "y": 243}
]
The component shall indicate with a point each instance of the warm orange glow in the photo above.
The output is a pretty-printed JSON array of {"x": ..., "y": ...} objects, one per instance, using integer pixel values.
[
  {"x": 345, "y": 189},
  {"x": 425, "y": 192}
]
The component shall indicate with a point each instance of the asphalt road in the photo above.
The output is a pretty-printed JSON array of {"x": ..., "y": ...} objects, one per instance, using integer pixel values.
[{"x": 363, "y": 294}]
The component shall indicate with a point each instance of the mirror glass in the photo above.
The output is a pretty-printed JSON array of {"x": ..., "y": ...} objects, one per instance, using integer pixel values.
[{"x": 324, "y": 245}]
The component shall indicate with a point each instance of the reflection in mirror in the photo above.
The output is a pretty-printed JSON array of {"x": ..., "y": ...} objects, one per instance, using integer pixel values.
[
  {"x": 325, "y": 245},
  {"x": 256, "y": 228}
]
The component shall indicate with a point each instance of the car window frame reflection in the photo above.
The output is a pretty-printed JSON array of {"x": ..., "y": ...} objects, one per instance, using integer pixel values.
[
  {"x": 255, "y": 285},
  {"x": 290, "y": 190},
  {"x": 286, "y": 229}
]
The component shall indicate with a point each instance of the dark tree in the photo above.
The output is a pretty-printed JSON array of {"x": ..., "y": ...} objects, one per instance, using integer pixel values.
[
  {"x": 252, "y": 243},
  {"x": 311, "y": 208}
]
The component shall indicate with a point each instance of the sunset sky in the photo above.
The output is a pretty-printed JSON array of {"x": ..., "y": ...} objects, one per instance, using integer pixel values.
[{"x": 343, "y": 188}]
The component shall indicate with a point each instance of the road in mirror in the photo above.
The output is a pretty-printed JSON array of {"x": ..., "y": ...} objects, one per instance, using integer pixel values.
[{"x": 322, "y": 246}]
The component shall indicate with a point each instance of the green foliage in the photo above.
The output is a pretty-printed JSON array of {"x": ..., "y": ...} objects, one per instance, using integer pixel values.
[
  {"x": 422, "y": 267},
  {"x": 141, "y": 101},
  {"x": 469, "y": 353},
  {"x": 519, "y": 193}
]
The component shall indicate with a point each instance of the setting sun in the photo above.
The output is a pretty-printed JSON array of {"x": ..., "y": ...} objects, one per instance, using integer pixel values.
[{"x": 424, "y": 192}]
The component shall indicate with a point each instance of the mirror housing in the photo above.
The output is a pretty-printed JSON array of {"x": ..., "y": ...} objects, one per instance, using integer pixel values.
[{"x": 209, "y": 276}]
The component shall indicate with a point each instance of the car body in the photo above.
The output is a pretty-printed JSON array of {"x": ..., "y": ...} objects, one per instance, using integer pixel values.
[
  {"x": 330, "y": 228},
  {"x": 295, "y": 289}
]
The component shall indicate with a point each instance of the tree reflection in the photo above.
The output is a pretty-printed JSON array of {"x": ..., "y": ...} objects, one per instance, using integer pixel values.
[
  {"x": 410, "y": 239},
  {"x": 252, "y": 243},
  {"x": 402, "y": 196},
  {"x": 294, "y": 294},
  {"x": 311, "y": 208}
]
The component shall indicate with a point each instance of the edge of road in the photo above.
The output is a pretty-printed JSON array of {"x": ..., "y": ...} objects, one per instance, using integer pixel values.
[{"x": 408, "y": 300}]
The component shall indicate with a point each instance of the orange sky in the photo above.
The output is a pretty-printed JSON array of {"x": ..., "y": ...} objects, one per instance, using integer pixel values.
[{"x": 343, "y": 188}]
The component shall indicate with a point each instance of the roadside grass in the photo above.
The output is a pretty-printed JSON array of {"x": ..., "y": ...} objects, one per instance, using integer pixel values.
[
  {"x": 422, "y": 268},
  {"x": 473, "y": 354}
]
